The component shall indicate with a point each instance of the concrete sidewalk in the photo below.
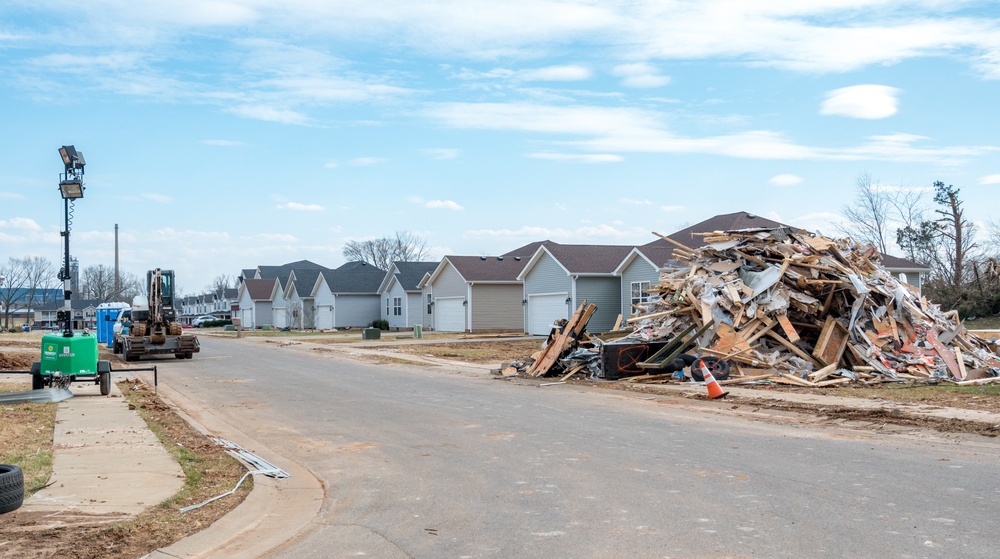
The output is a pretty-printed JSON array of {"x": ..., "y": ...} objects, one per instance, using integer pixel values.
[{"x": 106, "y": 461}]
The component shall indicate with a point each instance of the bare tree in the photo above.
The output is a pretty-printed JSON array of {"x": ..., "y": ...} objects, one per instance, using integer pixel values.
[
  {"x": 869, "y": 217},
  {"x": 98, "y": 282},
  {"x": 382, "y": 252},
  {"x": 958, "y": 233},
  {"x": 13, "y": 287},
  {"x": 220, "y": 284},
  {"x": 41, "y": 278},
  {"x": 131, "y": 285}
]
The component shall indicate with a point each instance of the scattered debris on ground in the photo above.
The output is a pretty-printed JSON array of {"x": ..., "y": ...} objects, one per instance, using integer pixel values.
[{"x": 776, "y": 306}]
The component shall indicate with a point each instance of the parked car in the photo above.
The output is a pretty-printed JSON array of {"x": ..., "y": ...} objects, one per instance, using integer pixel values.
[{"x": 201, "y": 320}]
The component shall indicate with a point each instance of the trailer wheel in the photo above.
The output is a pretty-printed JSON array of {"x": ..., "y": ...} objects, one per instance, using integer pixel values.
[
  {"x": 188, "y": 355},
  {"x": 104, "y": 374},
  {"x": 37, "y": 382},
  {"x": 11, "y": 488}
]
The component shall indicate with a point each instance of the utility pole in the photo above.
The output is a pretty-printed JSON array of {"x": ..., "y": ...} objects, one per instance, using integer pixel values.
[{"x": 118, "y": 277}]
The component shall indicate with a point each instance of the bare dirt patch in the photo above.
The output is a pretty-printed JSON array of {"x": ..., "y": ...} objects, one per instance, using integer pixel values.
[
  {"x": 475, "y": 352},
  {"x": 209, "y": 471},
  {"x": 18, "y": 361}
]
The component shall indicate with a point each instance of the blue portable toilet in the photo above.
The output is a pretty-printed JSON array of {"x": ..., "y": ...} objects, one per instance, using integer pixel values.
[{"x": 106, "y": 315}]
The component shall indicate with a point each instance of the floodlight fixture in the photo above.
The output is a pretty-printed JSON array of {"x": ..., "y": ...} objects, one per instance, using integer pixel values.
[
  {"x": 72, "y": 159},
  {"x": 71, "y": 189}
]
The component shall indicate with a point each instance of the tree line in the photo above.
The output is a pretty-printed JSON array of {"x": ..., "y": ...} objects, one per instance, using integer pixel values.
[
  {"x": 964, "y": 268},
  {"x": 33, "y": 281}
]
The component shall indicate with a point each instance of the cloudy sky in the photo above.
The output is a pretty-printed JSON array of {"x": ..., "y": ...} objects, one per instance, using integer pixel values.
[{"x": 223, "y": 134}]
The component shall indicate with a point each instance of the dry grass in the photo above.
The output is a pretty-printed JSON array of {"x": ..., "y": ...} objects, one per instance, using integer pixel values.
[{"x": 208, "y": 470}]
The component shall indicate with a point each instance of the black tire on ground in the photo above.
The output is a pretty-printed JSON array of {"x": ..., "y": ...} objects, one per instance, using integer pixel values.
[
  {"x": 179, "y": 355},
  {"x": 718, "y": 368},
  {"x": 37, "y": 382},
  {"x": 105, "y": 384},
  {"x": 188, "y": 355},
  {"x": 11, "y": 488}
]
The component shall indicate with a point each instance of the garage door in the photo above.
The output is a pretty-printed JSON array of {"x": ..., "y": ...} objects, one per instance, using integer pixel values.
[
  {"x": 543, "y": 310},
  {"x": 278, "y": 320},
  {"x": 449, "y": 315}
]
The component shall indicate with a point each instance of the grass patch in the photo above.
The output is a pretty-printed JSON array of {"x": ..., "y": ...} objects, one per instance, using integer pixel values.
[
  {"x": 26, "y": 440},
  {"x": 209, "y": 471}
]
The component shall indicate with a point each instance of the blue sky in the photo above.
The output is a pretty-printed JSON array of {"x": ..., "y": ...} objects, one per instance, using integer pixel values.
[{"x": 230, "y": 133}]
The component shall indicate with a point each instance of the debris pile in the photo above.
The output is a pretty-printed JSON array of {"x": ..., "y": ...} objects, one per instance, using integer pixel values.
[{"x": 797, "y": 308}]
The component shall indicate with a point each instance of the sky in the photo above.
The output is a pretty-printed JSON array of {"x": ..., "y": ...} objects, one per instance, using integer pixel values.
[{"x": 225, "y": 134}]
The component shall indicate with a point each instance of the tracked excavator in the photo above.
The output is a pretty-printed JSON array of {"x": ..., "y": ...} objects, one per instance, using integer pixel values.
[{"x": 150, "y": 326}]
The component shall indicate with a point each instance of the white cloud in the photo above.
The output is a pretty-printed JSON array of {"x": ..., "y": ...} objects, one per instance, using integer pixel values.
[
  {"x": 570, "y": 73},
  {"x": 671, "y": 208},
  {"x": 11, "y": 196},
  {"x": 990, "y": 179},
  {"x": 861, "y": 101},
  {"x": 640, "y": 75},
  {"x": 20, "y": 224},
  {"x": 366, "y": 161},
  {"x": 643, "y": 202},
  {"x": 442, "y": 153},
  {"x": 587, "y": 232},
  {"x": 616, "y": 129},
  {"x": 785, "y": 180},
  {"x": 270, "y": 114},
  {"x": 578, "y": 158},
  {"x": 435, "y": 204},
  {"x": 330, "y": 165},
  {"x": 158, "y": 198},
  {"x": 444, "y": 204},
  {"x": 300, "y": 207}
]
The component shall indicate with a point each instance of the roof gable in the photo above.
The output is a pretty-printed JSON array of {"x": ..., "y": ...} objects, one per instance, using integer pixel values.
[
  {"x": 723, "y": 222},
  {"x": 486, "y": 268}
]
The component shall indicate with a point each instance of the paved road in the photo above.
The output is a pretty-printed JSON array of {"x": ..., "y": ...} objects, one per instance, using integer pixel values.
[{"x": 427, "y": 463}]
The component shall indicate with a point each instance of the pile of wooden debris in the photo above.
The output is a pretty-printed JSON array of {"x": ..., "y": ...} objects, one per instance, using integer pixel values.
[{"x": 796, "y": 308}]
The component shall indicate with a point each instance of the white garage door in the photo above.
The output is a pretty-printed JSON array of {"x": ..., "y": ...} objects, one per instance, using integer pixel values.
[
  {"x": 543, "y": 310},
  {"x": 449, "y": 315},
  {"x": 278, "y": 320}
]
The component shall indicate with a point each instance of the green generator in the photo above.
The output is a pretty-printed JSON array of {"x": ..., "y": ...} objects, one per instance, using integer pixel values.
[{"x": 67, "y": 359}]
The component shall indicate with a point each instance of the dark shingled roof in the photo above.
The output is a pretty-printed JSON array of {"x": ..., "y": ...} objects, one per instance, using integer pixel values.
[
  {"x": 360, "y": 279},
  {"x": 358, "y": 264},
  {"x": 589, "y": 259},
  {"x": 658, "y": 255},
  {"x": 260, "y": 289},
  {"x": 724, "y": 222},
  {"x": 488, "y": 268},
  {"x": 305, "y": 279},
  {"x": 409, "y": 274},
  {"x": 527, "y": 250},
  {"x": 902, "y": 263}
]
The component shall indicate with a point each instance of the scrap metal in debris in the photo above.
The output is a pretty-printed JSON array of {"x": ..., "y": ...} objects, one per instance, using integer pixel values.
[
  {"x": 263, "y": 467},
  {"x": 42, "y": 396},
  {"x": 260, "y": 465}
]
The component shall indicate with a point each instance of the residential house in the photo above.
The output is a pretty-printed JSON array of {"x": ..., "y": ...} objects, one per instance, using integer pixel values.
[
  {"x": 558, "y": 278},
  {"x": 401, "y": 293},
  {"x": 255, "y": 302},
  {"x": 475, "y": 293},
  {"x": 347, "y": 296},
  {"x": 298, "y": 309}
]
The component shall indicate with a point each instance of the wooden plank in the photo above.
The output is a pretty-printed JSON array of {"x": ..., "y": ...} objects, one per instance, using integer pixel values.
[
  {"x": 794, "y": 349},
  {"x": 786, "y": 325},
  {"x": 832, "y": 342},
  {"x": 961, "y": 364},
  {"x": 569, "y": 334},
  {"x": 821, "y": 374}
]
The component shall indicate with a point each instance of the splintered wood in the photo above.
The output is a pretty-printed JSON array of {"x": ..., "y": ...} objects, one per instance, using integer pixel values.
[
  {"x": 567, "y": 338},
  {"x": 804, "y": 310}
]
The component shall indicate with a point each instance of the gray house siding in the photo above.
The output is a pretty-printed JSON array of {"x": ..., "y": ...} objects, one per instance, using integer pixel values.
[
  {"x": 606, "y": 294},
  {"x": 637, "y": 270},
  {"x": 546, "y": 276},
  {"x": 449, "y": 283},
  {"x": 497, "y": 307},
  {"x": 414, "y": 309},
  {"x": 356, "y": 310}
]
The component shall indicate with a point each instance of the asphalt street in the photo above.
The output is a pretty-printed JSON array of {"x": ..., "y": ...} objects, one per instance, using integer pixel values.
[{"x": 433, "y": 462}]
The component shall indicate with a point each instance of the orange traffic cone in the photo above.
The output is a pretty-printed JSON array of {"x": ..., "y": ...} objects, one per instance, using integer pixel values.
[{"x": 714, "y": 389}]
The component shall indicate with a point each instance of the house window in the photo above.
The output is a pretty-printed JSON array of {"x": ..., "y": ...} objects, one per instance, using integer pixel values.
[
  {"x": 430, "y": 304},
  {"x": 639, "y": 292},
  {"x": 397, "y": 306},
  {"x": 387, "y": 306}
]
